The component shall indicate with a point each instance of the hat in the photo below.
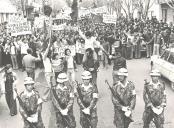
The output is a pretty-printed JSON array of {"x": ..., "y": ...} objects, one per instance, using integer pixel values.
[
  {"x": 62, "y": 77},
  {"x": 86, "y": 75},
  {"x": 28, "y": 80},
  {"x": 155, "y": 72},
  {"x": 123, "y": 72}
]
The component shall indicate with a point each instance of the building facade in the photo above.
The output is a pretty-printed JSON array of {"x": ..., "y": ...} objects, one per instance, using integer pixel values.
[{"x": 162, "y": 11}]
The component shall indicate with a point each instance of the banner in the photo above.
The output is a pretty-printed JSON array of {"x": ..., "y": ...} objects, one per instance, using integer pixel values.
[
  {"x": 61, "y": 50},
  {"x": 19, "y": 29},
  {"x": 100, "y": 10},
  {"x": 83, "y": 13},
  {"x": 16, "y": 19},
  {"x": 58, "y": 27},
  {"x": 18, "y": 26},
  {"x": 109, "y": 18}
]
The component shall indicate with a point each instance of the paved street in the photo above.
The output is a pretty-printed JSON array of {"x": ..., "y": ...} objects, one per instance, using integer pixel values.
[{"x": 138, "y": 71}]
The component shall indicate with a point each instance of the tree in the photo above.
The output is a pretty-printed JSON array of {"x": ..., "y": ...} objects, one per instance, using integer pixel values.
[
  {"x": 144, "y": 6},
  {"x": 128, "y": 6},
  {"x": 17, "y": 4}
]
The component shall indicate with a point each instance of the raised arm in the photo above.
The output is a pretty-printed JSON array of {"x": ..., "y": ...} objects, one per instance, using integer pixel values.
[
  {"x": 81, "y": 34},
  {"x": 46, "y": 51}
]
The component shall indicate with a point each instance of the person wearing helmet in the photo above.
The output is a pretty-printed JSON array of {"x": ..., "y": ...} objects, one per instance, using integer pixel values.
[
  {"x": 91, "y": 65},
  {"x": 8, "y": 86},
  {"x": 124, "y": 100},
  {"x": 87, "y": 99},
  {"x": 119, "y": 62},
  {"x": 63, "y": 100},
  {"x": 33, "y": 103},
  {"x": 155, "y": 100}
]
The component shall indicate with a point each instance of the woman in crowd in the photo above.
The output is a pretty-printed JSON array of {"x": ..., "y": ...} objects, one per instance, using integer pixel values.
[{"x": 70, "y": 64}]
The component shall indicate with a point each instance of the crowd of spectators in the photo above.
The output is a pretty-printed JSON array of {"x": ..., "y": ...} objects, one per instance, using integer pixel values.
[{"x": 133, "y": 38}]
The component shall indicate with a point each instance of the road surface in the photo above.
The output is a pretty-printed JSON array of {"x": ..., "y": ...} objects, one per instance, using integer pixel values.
[{"x": 138, "y": 70}]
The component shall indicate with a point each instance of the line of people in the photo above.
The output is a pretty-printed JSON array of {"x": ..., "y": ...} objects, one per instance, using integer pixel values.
[{"x": 63, "y": 94}]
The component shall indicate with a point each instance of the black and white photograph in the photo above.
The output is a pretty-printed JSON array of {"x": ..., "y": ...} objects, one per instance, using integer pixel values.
[{"x": 86, "y": 63}]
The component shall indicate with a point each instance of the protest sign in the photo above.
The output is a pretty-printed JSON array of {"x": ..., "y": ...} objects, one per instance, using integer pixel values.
[
  {"x": 61, "y": 50},
  {"x": 99, "y": 10},
  {"x": 21, "y": 28},
  {"x": 109, "y": 18},
  {"x": 16, "y": 19},
  {"x": 58, "y": 27},
  {"x": 18, "y": 26}
]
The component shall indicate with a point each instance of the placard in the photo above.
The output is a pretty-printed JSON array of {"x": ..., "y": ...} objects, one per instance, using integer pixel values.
[
  {"x": 61, "y": 50},
  {"x": 109, "y": 18}
]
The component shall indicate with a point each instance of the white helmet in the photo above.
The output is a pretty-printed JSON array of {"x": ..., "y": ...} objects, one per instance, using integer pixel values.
[
  {"x": 122, "y": 72},
  {"x": 28, "y": 80},
  {"x": 86, "y": 75},
  {"x": 62, "y": 77},
  {"x": 155, "y": 72}
]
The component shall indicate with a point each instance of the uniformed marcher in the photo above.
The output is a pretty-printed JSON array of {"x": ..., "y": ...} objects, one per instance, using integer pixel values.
[
  {"x": 119, "y": 62},
  {"x": 124, "y": 100},
  {"x": 31, "y": 105},
  {"x": 155, "y": 101},
  {"x": 63, "y": 100},
  {"x": 90, "y": 64},
  {"x": 87, "y": 99},
  {"x": 9, "y": 82}
]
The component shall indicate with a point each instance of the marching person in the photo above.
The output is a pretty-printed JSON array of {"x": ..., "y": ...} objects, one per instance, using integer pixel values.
[
  {"x": 49, "y": 72},
  {"x": 9, "y": 82},
  {"x": 155, "y": 101},
  {"x": 119, "y": 62},
  {"x": 29, "y": 61},
  {"x": 63, "y": 100},
  {"x": 90, "y": 42},
  {"x": 87, "y": 99},
  {"x": 70, "y": 65},
  {"x": 124, "y": 100},
  {"x": 30, "y": 105},
  {"x": 157, "y": 42},
  {"x": 90, "y": 64}
]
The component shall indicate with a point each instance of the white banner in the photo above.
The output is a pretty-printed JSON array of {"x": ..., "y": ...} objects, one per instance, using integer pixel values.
[
  {"x": 61, "y": 50},
  {"x": 59, "y": 27},
  {"x": 99, "y": 10},
  {"x": 21, "y": 28},
  {"x": 109, "y": 18},
  {"x": 16, "y": 19}
]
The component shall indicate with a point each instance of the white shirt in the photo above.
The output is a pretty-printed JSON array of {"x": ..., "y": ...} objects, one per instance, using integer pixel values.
[
  {"x": 89, "y": 43},
  {"x": 13, "y": 50},
  {"x": 24, "y": 47},
  {"x": 96, "y": 44},
  {"x": 47, "y": 65},
  {"x": 70, "y": 62},
  {"x": 78, "y": 47},
  {"x": 17, "y": 45}
]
